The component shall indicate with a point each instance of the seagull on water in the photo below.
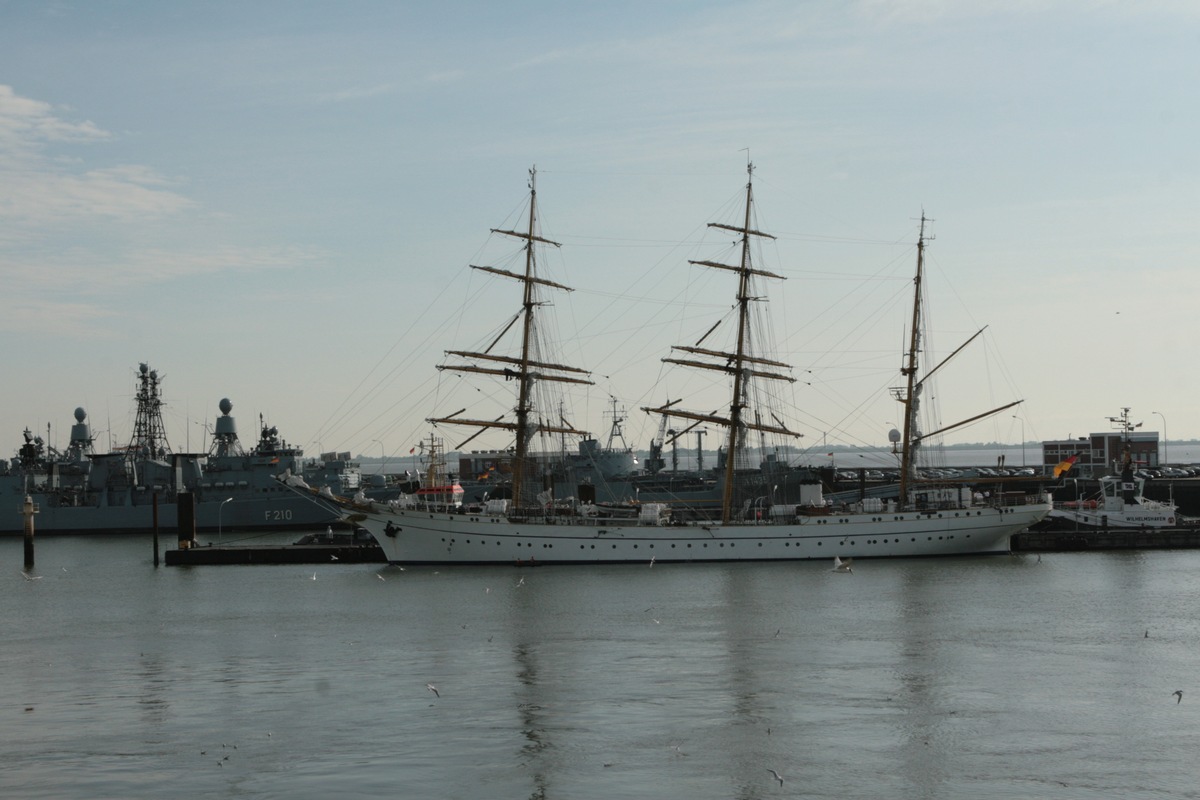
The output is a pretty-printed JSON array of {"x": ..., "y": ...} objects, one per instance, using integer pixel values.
[
  {"x": 841, "y": 566},
  {"x": 433, "y": 689},
  {"x": 1178, "y": 694},
  {"x": 778, "y": 777}
]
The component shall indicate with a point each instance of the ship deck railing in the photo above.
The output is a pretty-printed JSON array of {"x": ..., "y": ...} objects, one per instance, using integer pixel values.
[{"x": 562, "y": 516}]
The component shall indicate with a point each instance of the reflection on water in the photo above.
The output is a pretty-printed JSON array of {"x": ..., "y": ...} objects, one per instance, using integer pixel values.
[{"x": 999, "y": 677}]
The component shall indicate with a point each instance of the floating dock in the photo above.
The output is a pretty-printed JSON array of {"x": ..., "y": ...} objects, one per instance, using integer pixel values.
[{"x": 277, "y": 554}]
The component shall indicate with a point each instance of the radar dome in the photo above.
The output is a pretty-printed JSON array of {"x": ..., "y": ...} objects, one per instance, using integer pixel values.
[
  {"x": 894, "y": 436},
  {"x": 80, "y": 414},
  {"x": 225, "y": 405}
]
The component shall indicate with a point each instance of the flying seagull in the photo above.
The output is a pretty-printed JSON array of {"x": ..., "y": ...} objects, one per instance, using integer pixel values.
[
  {"x": 778, "y": 777},
  {"x": 1178, "y": 693},
  {"x": 841, "y": 566},
  {"x": 29, "y": 577},
  {"x": 433, "y": 689}
]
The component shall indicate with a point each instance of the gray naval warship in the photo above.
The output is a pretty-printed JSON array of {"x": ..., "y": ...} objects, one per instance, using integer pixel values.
[{"x": 79, "y": 490}]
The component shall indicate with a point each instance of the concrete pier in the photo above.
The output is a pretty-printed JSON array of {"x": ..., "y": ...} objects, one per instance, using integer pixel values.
[{"x": 1110, "y": 539}]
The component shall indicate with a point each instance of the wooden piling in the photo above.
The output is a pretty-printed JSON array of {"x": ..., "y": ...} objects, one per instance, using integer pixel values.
[
  {"x": 156, "y": 529},
  {"x": 28, "y": 509}
]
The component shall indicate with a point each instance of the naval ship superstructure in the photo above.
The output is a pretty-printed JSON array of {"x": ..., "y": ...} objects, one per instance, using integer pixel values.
[{"x": 79, "y": 490}]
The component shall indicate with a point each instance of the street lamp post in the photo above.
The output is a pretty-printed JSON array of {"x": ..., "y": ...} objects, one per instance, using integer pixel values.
[
  {"x": 1018, "y": 419},
  {"x": 221, "y": 508},
  {"x": 1166, "y": 457},
  {"x": 382, "y": 455}
]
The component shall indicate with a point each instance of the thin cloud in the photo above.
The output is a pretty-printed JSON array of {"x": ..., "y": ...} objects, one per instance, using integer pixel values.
[
  {"x": 355, "y": 93},
  {"x": 70, "y": 319},
  {"x": 926, "y": 11},
  {"x": 77, "y": 237},
  {"x": 76, "y": 288},
  {"x": 41, "y": 191},
  {"x": 83, "y": 272},
  {"x": 25, "y": 122}
]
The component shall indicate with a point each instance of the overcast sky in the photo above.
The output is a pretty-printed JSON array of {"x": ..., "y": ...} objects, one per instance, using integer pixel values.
[{"x": 277, "y": 202}]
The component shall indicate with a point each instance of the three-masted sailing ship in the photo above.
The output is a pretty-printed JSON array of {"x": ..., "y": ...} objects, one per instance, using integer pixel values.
[{"x": 531, "y": 527}]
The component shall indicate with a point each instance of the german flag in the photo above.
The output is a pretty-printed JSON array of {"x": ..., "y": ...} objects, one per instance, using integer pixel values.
[{"x": 1065, "y": 465}]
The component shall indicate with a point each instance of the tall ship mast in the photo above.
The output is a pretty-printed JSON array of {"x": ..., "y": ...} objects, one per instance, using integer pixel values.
[
  {"x": 909, "y": 395},
  {"x": 526, "y": 370},
  {"x": 910, "y": 399},
  {"x": 740, "y": 364}
]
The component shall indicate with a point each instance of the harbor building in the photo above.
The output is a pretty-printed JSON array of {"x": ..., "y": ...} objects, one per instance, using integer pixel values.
[{"x": 1099, "y": 454}]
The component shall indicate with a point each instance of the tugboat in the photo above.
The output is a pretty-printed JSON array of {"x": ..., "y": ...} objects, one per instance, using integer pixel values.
[{"x": 1120, "y": 503}]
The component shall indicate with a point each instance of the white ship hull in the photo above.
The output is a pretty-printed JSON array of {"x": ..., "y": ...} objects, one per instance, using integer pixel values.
[{"x": 416, "y": 536}]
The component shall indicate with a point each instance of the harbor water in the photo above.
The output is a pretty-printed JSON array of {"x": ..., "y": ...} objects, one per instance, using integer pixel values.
[{"x": 1001, "y": 677}]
